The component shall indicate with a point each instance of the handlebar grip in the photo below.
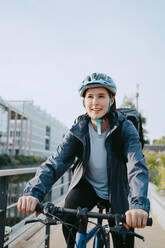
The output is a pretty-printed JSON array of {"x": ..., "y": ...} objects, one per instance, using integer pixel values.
[
  {"x": 39, "y": 207},
  {"x": 149, "y": 222}
]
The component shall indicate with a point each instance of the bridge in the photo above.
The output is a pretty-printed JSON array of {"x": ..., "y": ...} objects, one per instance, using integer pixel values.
[
  {"x": 154, "y": 148},
  {"x": 37, "y": 236}
]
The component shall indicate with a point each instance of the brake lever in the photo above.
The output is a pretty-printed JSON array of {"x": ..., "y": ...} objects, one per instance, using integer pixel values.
[
  {"x": 33, "y": 221},
  {"x": 136, "y": 235},
  {"x": 45, "y": 221},
  {"x": 123, "y": 231}
]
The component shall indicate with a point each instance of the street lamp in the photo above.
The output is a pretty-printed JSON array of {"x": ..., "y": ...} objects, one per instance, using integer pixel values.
[{"x": 137, "y": 96}]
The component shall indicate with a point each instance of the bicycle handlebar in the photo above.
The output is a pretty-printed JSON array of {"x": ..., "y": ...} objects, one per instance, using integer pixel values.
[{"x": 50, "y": 208}]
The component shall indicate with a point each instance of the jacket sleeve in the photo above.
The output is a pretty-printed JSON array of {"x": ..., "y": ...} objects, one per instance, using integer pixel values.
[
  {"x": 137, "y": 171},
  {"x": 53, "y": 168}
]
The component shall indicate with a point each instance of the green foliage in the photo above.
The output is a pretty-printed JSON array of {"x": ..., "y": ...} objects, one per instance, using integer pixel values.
[
  {"x": 128, "y": 103},
  {"x": 156, "y": 165},
  {"x": 161, "y": 185},
  {"x": 17, "y": 160},
  {"x": 5, "y": 159},
  {"x": 160, "y": 141},
  {"x": 28, "y": 159}
]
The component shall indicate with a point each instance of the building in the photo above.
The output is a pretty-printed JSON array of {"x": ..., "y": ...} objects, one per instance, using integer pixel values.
[
  {"x": 28, "y": 130},
  {"x": 8, "y": 115}
]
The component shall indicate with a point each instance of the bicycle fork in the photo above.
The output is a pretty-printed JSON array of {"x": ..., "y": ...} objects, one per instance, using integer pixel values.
[{"x": 82, "y": 237}]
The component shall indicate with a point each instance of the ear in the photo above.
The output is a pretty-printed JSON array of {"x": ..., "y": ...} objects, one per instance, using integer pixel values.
[{"x": 112, "y": 100}]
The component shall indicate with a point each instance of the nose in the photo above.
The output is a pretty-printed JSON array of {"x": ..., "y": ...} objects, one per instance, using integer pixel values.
[{"x": 95, "y": 100}]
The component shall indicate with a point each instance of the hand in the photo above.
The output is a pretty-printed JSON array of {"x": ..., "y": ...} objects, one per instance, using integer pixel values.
[
  {"x": 136, "y": 218},
  {"x": 27, "y": 204}
]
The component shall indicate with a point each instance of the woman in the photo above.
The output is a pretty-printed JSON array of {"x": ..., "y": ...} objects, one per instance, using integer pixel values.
[{"x": 111, "y": 167}]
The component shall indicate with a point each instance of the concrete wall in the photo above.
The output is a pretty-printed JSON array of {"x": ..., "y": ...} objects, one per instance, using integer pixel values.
[{"x": 157, "y": 204}]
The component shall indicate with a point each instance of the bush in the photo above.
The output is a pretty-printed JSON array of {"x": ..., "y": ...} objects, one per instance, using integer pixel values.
[
  {"x": 29, "y": 159},
  {"x": 5, "y": 159},
  {"x": 20, "y": 160},
  {"x": 156, "y": 165},
  {"x": 161, "y": 185}
]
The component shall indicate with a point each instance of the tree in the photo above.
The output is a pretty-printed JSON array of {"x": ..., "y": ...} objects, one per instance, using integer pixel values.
[
  {"x": 128, "y": 103},
  {"x": 160, "y": 141}
]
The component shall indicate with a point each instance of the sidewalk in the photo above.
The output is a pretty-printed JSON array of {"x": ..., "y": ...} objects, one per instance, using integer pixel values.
[{"x": 154, "y": 237}]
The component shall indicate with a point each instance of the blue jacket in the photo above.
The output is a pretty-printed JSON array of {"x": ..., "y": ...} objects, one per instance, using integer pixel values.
[{"x": 126, "y": 168}]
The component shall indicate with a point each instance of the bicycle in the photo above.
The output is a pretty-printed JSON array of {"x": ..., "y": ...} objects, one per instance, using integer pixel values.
[{"x": 101, "y": 233}]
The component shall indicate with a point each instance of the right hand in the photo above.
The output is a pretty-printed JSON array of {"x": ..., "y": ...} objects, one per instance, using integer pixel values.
[{"x": 27, "y": 204}]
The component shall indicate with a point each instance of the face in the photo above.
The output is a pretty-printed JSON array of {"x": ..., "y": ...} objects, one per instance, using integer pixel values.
[{"x": 97, "y": 101}]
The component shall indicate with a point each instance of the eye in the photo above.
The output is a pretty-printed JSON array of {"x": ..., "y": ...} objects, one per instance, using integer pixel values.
[{"x": 89, "y": 96}]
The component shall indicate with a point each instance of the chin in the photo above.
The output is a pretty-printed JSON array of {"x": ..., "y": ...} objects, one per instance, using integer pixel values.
[{"x": 97, "y": 116}]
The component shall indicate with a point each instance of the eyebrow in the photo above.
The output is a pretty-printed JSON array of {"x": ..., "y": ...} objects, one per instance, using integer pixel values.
[{"x": 101, "y": 93}]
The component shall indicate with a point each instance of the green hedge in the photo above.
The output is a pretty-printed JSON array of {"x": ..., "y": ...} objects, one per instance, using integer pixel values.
[
  {"x": 17, "y": 160},
  {"x": 5, "y": 159},
  {"x": 156, "y": 164}
]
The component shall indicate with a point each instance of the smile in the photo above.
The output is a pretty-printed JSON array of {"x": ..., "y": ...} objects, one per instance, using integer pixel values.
[{"x": 96, "y": 109}]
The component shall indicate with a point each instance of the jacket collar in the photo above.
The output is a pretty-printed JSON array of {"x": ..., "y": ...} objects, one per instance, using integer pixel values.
[{"x": 80, "y": 126}]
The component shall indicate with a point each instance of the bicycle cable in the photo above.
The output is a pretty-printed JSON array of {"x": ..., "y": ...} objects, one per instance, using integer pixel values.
[{"x": 66, "y": 225}]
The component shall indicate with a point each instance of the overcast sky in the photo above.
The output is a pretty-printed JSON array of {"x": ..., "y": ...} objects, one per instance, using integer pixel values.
[{"x": 47, "y": 47}]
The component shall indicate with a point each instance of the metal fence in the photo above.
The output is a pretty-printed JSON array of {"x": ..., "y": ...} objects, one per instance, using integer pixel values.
[{"x": 9, "y": 193}]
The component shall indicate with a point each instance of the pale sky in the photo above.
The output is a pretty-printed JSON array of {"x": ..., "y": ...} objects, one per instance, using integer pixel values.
[{"x": 47, "y": 47}]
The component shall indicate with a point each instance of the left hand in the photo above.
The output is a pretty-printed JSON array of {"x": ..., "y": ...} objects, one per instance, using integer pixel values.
[{"x": 136, "y": 218}]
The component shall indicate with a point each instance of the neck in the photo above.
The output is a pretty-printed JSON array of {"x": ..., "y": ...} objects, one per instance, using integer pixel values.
[{"x": 104, "y": 125}]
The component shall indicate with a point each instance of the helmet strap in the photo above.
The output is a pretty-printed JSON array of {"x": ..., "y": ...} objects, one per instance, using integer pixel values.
[
  {"x": 99, "y": 122},
  {"x": 109, "y": 108},
  {"x": 102, "y": 120}
]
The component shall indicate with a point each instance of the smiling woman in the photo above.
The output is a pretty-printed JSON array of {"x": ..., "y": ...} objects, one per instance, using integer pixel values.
[{"x": 108, "y": 150}]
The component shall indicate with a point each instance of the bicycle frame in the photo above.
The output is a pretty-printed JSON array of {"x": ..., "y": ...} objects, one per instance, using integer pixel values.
[{"x": 83, "y": 237}]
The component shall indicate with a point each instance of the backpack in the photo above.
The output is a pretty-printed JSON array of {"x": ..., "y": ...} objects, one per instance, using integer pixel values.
[{"x": 134, "y": 116}]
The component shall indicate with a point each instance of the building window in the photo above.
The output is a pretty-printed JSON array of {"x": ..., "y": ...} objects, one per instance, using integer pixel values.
[
  {"x": 47, "y": 144},
  {"x": 47, "y": 131},
  {"x": 18, "y": 133}
]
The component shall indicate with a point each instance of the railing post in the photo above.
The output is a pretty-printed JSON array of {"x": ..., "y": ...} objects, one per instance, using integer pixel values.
[{"x": 3, "y": 204}]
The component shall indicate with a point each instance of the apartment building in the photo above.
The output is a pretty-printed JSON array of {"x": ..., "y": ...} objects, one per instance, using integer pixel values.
[{"x": 27, "y": 129}]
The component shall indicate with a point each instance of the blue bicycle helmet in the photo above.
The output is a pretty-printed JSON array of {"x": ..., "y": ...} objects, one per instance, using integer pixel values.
[{"x": 96, "y": 80}]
